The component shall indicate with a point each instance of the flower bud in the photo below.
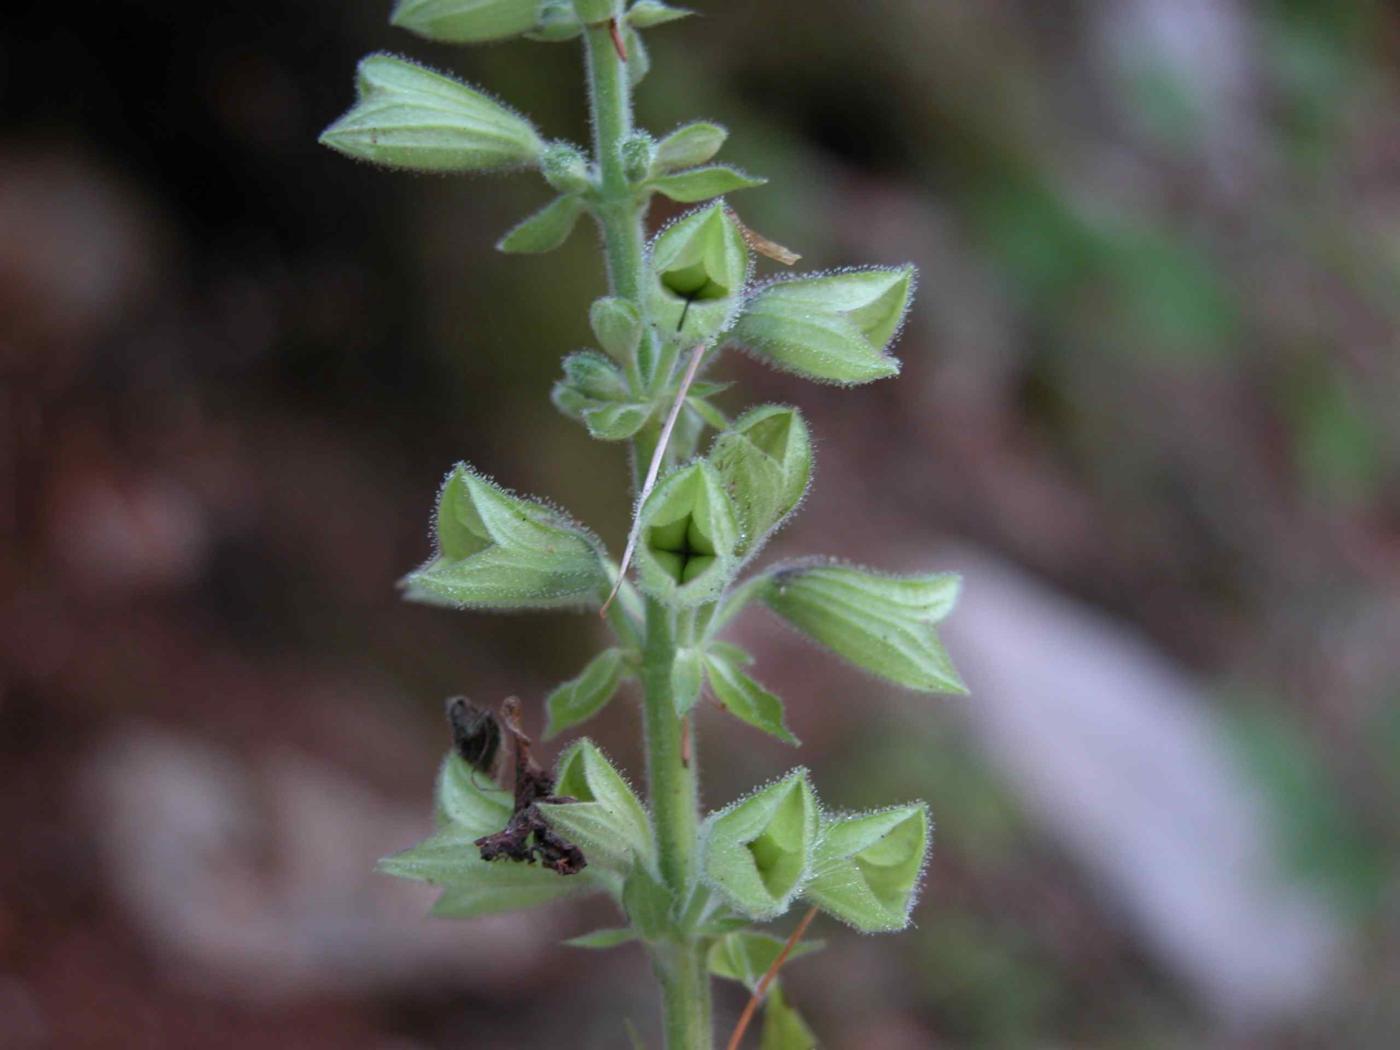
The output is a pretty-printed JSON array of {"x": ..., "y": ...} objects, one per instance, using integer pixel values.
[
  {"x": 758, "y": 853},
  {"x": 765, "y": 461},
  {"x": 699, "y": 266},
  {"x": 410, "y": 117},
  {"x": 637, "y": 152},
  {"x": 883, "y": 624},
  {"x": 565, "y": 168},
  {"x": 500, "y": 551},
  {"x": 595, "y": 392},
  {"x": 617, "y": 326},
  {"x": 868, "y": 867},
  {"x": 688, "y": 537},
  {"x": 835, "y": 328},
  {"x": 465, "y": 21}
]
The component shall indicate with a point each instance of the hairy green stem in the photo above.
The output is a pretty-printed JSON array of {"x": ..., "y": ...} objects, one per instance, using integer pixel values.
[{"x": 671, "y": 780}]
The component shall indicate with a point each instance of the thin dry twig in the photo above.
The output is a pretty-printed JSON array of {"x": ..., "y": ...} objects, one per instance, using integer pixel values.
[
  {"x": 655, "y": 468},
  {"x": 761, "y": 989}
]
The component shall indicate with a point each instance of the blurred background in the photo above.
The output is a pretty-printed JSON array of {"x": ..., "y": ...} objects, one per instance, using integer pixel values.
[{"x": 1148, "y": 409}]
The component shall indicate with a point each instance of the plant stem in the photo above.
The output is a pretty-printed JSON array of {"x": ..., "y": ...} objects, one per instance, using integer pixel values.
[{"x": 671, "y": 779}]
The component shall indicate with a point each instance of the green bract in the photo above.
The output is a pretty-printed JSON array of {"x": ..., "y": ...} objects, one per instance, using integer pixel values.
[
  {"x": 498, "y": 550},
  {"x": 689, "y": 537},
  {"x": 758, "y": 853},
  {"x": 745, "y": 955},
  {"x": 700, "y": 184},
  {"x": 689, "y": 145},
  {"x": 606, "y": 819},
  {"x": 868, "y": 867},
  {"x": 410, "y": 117},
  {"x": 647, "y": 13},
  {"x": 466, "y": 21},
  {"x": 883, "y": 624},
  {"x": 765, "y": 461},
  {"x": 835, "y": 328},
  {"x": 579, "y": 699},
  {"x": 450, "y": 859},
  {"x": 545, "y": 230},
  {"x": 699, "y": 265}
]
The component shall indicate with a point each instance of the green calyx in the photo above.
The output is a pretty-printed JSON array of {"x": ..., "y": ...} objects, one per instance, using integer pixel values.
[
  {"x": 868, "y": 867},
  {"x": 759, "y": 852},
  {"x": 689, "y": 537},
  {"x": 497, "y": 550},
  {"x": 836, "y": 328},
  {"x": 409, "y": 117},
  {"x": 699, "y": 266},
  {"x": 765, "y": 461}
]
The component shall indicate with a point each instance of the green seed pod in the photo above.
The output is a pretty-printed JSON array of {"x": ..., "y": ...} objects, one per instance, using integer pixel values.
[
  {"x": 410, "y": 117},
  {"x": 465, "y": 21},
  {"x": 765, "y": 461},
  {"x": 835, "y": 328},
  {"x": 699, "y": 266},
  {"x": 759, "y": 852},
  {"x": 565, "y": 168},
  {"x": 496, "y": 550},
  {"x": 868, "y": 867},
  {"x": 689, "y": 536},
  {"x": 884, "y": 624}
]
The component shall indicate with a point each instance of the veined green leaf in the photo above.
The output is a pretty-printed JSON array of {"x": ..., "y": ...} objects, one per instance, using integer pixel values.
[
  {"x": 883, "y": 624},
  {"x": 410, "y": 117},
  {"x": 689, "y": 145},
  {"x": 746, "y": 955}
]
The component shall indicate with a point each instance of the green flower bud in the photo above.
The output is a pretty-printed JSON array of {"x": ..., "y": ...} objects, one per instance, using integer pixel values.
[
  {"x": 606, "y": 819},
  {"x": 835, "y": 328},
  {"x": 617, "y": 326},
  {"x": 758, "y": 853},
  {"x": 465, "y": 21},
  {"x": 868, "y": 867},
  {"x": 765, "y": 461},
  {"x": 699, "y": 266},
  {"x": 883, "y": 624},
  {"x": 410, "y": 117},
  {"x": 688, "y": 537},
  {"x": 689, "y": 145},
  {"x": 637, "y": 152},
  {"x": 497, "y": 550},
  {"x": 565, "y": 168},
  {"x": 595, "y": 391}
]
